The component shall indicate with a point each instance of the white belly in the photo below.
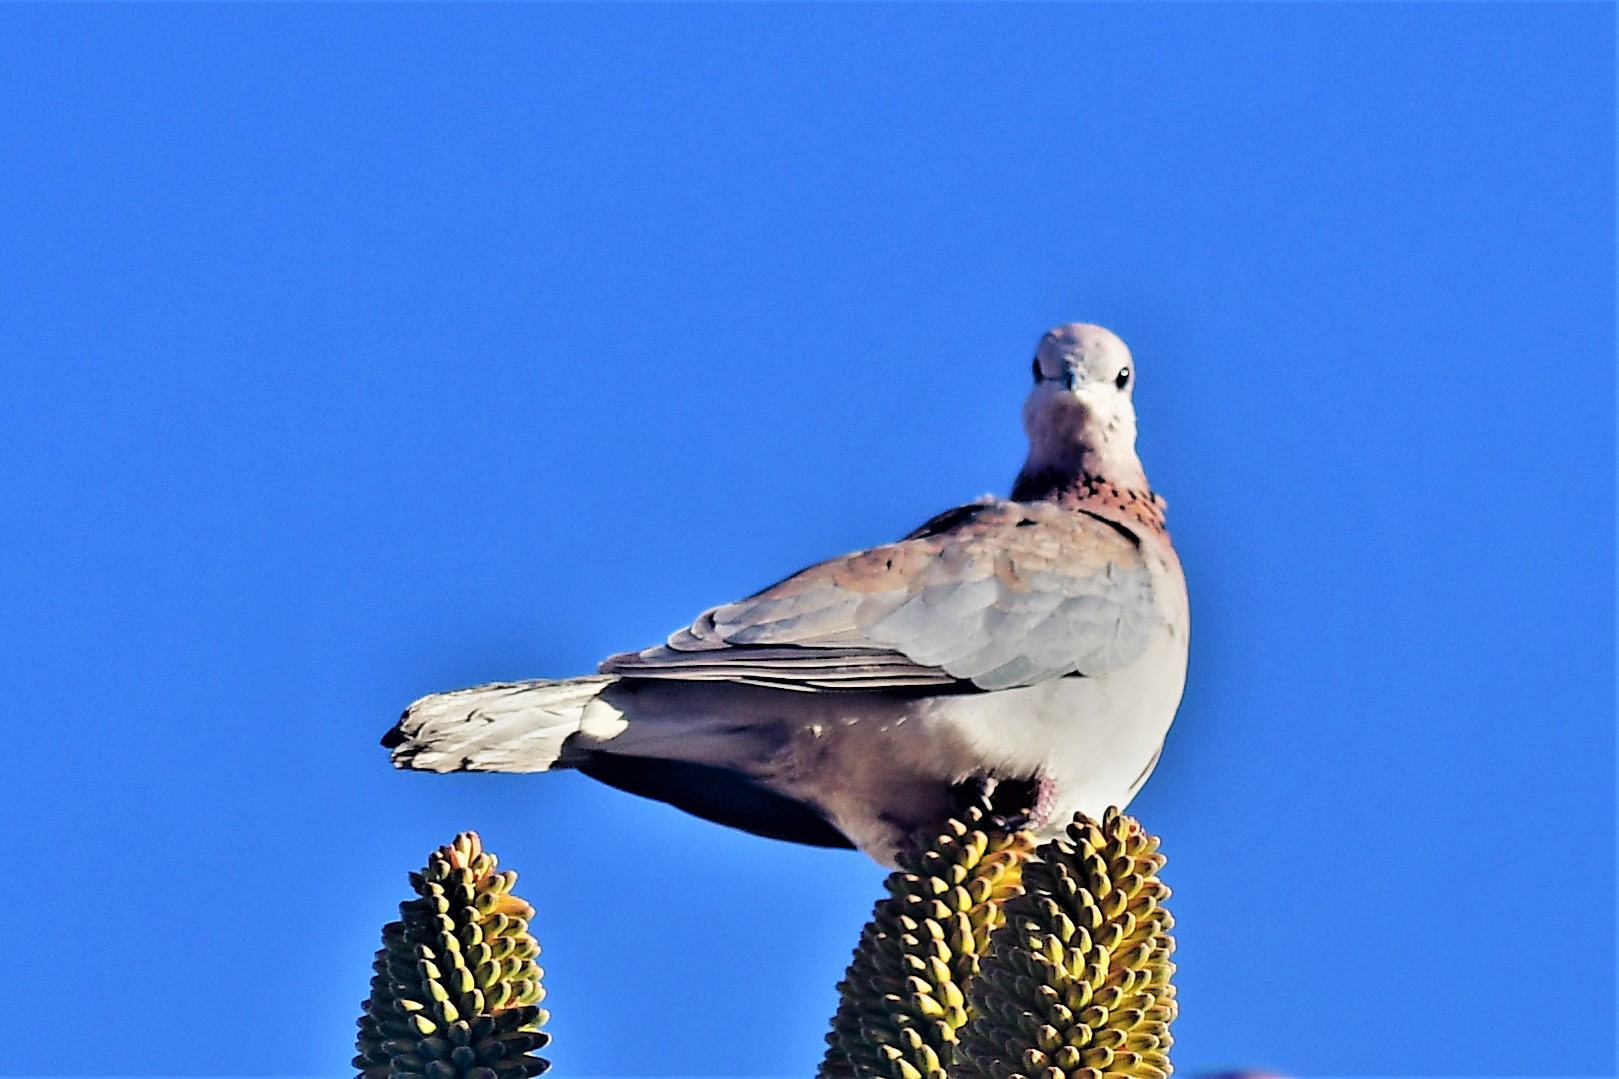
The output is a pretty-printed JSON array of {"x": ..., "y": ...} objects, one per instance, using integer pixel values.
[{"x": 1096, "y": 739}]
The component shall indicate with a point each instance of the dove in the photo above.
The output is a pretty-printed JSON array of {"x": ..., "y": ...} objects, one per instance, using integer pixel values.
[{"x": 1025, "y": 655}]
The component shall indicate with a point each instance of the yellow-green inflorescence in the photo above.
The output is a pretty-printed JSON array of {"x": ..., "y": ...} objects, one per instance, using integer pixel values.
[
  {"x": 1075, "y": 984},
  {"x": 456, "y": 990},
  {"x": 904, "y": 997}
]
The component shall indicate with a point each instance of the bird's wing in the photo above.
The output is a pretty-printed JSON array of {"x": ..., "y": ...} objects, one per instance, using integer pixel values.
[{"x": 989, "y": 595}]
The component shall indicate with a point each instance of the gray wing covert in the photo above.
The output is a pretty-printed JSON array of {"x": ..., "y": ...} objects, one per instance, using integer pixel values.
[{"x": 996, "y": 594}]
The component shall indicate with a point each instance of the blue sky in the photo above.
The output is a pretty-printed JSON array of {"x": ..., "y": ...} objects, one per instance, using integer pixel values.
[{"x": 356, "y": 352}]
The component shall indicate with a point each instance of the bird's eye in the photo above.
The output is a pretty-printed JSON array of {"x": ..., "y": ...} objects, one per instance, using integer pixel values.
[
  {"x": 1037, "y": 368},
  {"x": 1122, "y": 379}
]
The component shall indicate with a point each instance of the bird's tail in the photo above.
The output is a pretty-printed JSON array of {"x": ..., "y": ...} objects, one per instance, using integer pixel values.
[{"x": 504, "y": 727}]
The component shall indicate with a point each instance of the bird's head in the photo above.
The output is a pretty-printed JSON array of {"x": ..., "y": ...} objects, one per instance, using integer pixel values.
[{"x": 1079, "y": 416}]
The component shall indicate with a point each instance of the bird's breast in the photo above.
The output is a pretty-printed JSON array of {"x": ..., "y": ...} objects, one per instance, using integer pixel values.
[{"x": 1094, "y": 737}]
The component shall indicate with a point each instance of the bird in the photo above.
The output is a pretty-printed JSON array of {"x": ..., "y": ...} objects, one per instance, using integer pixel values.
[{"x": 1025, "y": 655}]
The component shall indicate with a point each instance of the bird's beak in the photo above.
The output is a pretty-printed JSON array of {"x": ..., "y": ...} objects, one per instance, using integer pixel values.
[{"x": 1085, "y": 392}]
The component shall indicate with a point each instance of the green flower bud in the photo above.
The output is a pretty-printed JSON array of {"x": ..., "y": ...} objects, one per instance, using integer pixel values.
[
  {"x": 1091, "y": 931},
  {"x": 904, "y": 996},
  {"x": 455, "y": 978}
]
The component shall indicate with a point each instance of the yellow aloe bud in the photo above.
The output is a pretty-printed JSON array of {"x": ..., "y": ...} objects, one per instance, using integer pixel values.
[
  {"x": 903, "y": 996},
  {"x": 1090, "y": 930},
  {"x": 456, "y": 988}
]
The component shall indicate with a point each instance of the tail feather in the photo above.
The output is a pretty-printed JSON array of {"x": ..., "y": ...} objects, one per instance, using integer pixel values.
[{"x": 503, "y": 727}]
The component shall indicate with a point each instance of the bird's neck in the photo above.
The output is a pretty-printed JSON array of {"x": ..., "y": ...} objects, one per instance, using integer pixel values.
[{"x": 1120, "y": 493}]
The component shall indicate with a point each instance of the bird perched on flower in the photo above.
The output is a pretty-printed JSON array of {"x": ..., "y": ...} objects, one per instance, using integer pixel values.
[{"x": 1024, "y": 654}]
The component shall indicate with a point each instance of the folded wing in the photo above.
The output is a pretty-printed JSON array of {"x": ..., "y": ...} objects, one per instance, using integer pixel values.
[{"x": 987, "y": 596}]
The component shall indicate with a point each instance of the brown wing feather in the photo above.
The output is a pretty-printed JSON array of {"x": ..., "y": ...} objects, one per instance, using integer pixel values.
[{"x": 994, "y": 593}]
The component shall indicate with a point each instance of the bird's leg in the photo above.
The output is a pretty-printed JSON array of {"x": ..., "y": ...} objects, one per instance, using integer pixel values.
[
  {"x": 1013, "y": 807},
  {"x": 1009, "y": 804},
  {"x": 974, "y": 793}
]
